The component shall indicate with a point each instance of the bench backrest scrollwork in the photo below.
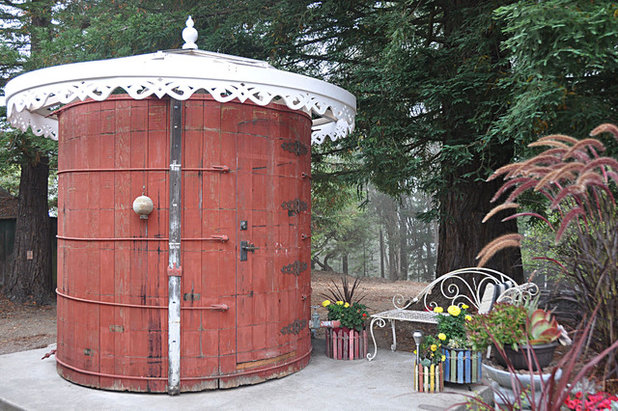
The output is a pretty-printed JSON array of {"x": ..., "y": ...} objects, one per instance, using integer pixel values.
[{"x": 466, "y": 286}]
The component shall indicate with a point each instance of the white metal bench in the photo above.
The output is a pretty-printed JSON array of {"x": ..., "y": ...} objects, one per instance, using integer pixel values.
[{"x": 477, "y": 287}]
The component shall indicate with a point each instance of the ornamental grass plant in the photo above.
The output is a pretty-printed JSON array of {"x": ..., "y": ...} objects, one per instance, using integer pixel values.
[
  {"x": 346, "y": 292},
  {"x": 580, "y": 186}
]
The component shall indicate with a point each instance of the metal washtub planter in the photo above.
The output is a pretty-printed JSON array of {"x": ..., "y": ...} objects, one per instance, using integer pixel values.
[{"x": 206, "y": 284}]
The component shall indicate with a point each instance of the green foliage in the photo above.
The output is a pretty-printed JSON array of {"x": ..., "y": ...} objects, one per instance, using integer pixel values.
[
  {"x": 505, "y": 323},
  {"x": 564, "y": 63},
  {"x": 512, "y": 325},
  {"x": 17, "y": 147},
  {"x": 346, "y": 307},
  {"x": 339, "y": 224},
  {"x": 9, "y": 179}
]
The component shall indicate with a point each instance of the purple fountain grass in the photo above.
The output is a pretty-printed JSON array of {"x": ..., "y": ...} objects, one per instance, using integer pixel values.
[{"x": 580, "y": 184}]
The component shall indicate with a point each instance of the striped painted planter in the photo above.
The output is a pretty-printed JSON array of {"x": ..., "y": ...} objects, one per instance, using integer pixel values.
[
  {"x": 427, "y": 378},
  {"x": 344, "y": 344},
  {"x": 462, "y": 366}
]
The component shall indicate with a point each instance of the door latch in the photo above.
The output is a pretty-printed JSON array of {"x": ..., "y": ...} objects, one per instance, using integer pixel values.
[{"x": 246, "y": 246}]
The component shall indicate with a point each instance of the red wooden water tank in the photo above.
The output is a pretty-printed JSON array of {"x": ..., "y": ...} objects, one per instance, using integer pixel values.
[{"x": 244, "y": 311}]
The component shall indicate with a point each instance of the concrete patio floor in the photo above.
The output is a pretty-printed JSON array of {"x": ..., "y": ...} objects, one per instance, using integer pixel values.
[{"x": 29, "y": 383}]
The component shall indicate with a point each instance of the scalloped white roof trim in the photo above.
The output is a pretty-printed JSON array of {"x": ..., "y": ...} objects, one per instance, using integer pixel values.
[{"x": 31, "y": 97}]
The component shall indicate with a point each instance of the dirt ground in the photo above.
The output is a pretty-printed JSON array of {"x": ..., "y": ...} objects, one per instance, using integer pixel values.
[
  {"x": 28, "y": 326},
  {"x": 378, "y": 297}
]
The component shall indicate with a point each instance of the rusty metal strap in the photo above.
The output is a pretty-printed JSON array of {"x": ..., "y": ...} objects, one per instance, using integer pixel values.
[
  {"x": 209, "y": 377},
  {"x": 212, "y": 307},
  {"x": 214, "y": 168},
  {"x": 215, "y": 237}
]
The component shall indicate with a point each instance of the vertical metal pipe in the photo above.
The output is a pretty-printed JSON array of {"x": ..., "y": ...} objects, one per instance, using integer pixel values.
[{"x": 174, "y": 269}]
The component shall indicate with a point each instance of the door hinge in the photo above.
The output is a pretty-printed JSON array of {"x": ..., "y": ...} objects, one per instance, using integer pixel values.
[
  {"x": 295, "y": 206},
  {"x": 295, "y": 147}
]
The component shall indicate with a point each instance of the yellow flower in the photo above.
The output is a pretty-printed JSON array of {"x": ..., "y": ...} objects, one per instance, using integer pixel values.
[
  {"x": 468, "y": 318},
  {"x": 444, "y": 358},
  {"x": 414, "y": 351},
  {"x": 442, "y": 336},
  {"x": 454, "y": 310},
  {"x": 434, "y": 347},
  {"x": 339, "y": 303},
  {"x": 438, "y": 310},
  {"x": 346, "y": 305},
  {"x": 465, "y": 306},
  {"x": 326, "y": 303}
]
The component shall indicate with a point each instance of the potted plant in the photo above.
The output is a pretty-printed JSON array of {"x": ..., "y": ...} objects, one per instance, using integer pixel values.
[
  {"x": 564, "y": 387},
  {"x": 524, "y": 338},
  {"x": 517, "y": 331},
  {"x": 462, "y": 362},
  {"x": 428, "y": 364},
  {"x": 346, "y": 336}
]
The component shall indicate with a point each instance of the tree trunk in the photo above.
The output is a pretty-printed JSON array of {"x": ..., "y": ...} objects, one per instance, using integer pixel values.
[
  {"x": 344, "y": 263},
  {"x": 462, "y": 235},
  {"x": 365, "y": 258},
  {"x": 393, "y": 262},
  {"x": 30, "y": 275},
  {"x": 428, "y": 261},
  {"x": 465, "y": 201},
  {"x": 325, "y": 265},
  {"x": 403, "y": 245},
  {"x": 381, "y": 253}
]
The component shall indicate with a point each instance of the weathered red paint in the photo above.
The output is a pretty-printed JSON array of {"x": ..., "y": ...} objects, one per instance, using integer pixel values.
[{"x": 239, "y": 318}]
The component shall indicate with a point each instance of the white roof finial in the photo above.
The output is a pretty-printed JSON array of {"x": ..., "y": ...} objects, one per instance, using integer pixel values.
[{"x": 189, "y": 35}]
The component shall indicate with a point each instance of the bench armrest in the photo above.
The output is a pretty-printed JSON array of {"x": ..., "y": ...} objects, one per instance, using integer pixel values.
[{"x": 520, "y": 294}]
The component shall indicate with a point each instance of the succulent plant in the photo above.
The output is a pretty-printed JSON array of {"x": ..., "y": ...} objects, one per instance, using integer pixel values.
[{"x": 542, "y": 328}]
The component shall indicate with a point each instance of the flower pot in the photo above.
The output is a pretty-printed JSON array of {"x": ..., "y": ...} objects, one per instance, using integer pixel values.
[
  {"x": 462, "y": 366},
  {"x": 503, "y": 388},
  {"x": 427, "y": 378},
  {"x": 544, "y": 354},
  {"x": 346, "y": 344}
]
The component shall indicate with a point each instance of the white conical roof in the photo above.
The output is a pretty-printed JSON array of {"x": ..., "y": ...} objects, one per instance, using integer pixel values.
[{"x": 31, "y": 97}]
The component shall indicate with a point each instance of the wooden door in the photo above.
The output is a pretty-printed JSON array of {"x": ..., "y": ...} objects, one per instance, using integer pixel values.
[{"x": 208, "y": 334}]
